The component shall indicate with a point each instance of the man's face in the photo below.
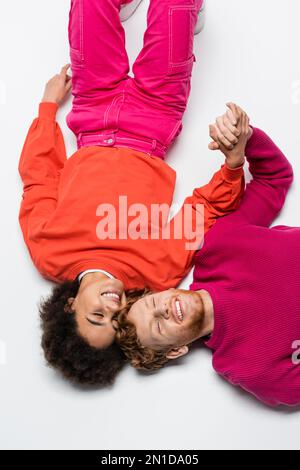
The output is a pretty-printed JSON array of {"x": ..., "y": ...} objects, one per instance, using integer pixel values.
[
  {"x": 95, "y": 308},
  {"x": 168, "y": 320}
]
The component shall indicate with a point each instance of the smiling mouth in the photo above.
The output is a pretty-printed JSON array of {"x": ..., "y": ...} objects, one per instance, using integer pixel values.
[
  {"x": 178, "y": 312},
  {"x": 112, "y": 296}
]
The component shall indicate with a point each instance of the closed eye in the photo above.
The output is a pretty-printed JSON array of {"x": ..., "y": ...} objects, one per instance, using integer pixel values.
[
  {"x": 94, "y": 322},
  {"x": 158, "y": 327}
]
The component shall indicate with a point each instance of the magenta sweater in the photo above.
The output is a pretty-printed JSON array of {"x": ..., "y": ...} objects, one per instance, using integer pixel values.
[{"x": 252, "y": 273}]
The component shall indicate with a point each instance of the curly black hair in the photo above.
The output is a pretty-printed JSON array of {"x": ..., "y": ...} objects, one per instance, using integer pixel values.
[{"x": 66, "y": 351}]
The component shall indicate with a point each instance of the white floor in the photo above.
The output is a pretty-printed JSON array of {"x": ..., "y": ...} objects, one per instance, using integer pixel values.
[{"x": 249, "y": 53}]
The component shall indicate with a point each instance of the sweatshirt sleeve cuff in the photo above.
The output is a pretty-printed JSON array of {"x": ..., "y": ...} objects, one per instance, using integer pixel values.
[
  {"x": 257, "y": 139},
  {"x": 48, "y": 111},
  {"x": 232, "y": 174}
]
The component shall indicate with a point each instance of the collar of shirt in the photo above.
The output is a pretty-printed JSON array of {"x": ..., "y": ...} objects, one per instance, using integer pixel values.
[{"x": 81, "y": 275}]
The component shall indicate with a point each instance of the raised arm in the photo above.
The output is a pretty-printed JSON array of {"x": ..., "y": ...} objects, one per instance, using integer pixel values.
[
  {"x": 272, "y": 176},
  {"x": 223, "y": 193},
  {"x": 200, "y": 211},
  {"x": 220, "y": 197},
  {"x": 43, "y": 156}
]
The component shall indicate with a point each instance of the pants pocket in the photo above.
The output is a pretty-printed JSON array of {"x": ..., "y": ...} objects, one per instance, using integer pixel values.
[
  {"x": 181, "y": 39},
  {"x": 76, "y": 26},
  {"x": 174, "y": 134}
]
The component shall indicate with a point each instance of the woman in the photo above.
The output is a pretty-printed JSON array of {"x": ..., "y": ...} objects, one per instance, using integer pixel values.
[{"x": 124, "y": 127}]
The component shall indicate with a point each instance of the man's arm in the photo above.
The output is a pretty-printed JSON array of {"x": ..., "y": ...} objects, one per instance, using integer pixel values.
[
  {"x": 272, "y": 176},
  {"x": 43, "y": 156}
]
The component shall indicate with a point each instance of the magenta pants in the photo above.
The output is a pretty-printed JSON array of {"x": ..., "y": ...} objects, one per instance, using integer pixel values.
[{"x": 111, "y": 108}]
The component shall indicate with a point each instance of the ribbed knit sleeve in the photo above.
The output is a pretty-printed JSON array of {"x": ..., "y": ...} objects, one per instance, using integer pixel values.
[{"x": 272, "y": 176}]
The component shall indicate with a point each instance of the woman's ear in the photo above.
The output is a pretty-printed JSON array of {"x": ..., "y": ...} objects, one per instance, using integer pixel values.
[
  {"x": 177, "y": 352},
  {"x": 69, "y": 305}
]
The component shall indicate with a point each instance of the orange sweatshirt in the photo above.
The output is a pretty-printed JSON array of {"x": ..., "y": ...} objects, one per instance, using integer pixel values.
[{"x": 59, "y": 218}]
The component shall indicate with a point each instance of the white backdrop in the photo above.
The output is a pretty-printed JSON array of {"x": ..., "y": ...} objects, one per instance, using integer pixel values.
[{"x": 249, "y": 53}]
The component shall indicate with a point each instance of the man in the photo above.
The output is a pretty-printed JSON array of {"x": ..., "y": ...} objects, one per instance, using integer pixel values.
[{"x": 244, "y": 300}]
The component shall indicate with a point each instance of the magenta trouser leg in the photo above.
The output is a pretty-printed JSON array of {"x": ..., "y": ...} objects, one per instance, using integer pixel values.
[{"x": 110, "y": 107}]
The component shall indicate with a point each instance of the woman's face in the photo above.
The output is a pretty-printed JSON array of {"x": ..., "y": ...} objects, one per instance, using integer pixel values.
[{"x": 95, "y": 308}]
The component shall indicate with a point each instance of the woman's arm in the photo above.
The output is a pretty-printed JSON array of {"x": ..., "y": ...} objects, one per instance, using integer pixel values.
[
  {"x": 218, "y": 198},
  {"x": 43, "y": 156},
  {"x": 223, "y": 193}
]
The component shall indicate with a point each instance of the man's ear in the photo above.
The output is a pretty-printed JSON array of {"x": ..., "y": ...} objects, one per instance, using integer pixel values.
[
  {"x": 178, "y": 352},
  {"x": 69, "y": 307}
]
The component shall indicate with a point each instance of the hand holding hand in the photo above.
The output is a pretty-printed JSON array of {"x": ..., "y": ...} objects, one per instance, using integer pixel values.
[{"x": 58, "y": 87}]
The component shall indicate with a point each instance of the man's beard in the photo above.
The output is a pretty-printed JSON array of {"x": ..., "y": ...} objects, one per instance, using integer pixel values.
[{"x": 195, "y": 326}]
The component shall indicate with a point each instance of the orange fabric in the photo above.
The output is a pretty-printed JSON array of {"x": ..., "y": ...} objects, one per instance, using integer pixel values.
[{"x": 59, "y": 218}]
